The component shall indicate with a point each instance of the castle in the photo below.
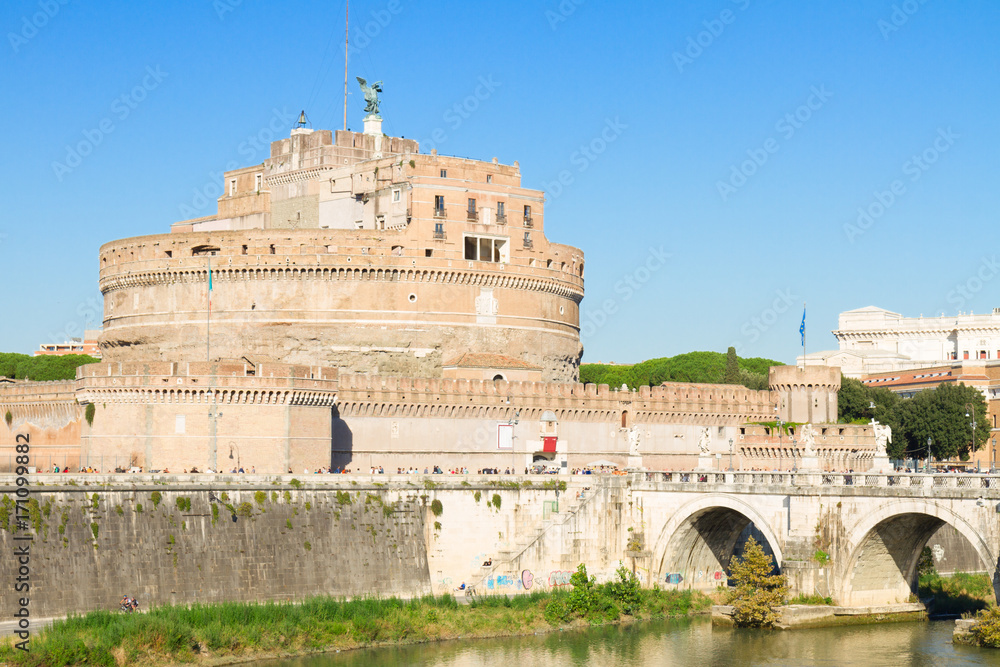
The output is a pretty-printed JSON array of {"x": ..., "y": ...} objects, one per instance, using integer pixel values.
[{"x": 355, "y": 303}]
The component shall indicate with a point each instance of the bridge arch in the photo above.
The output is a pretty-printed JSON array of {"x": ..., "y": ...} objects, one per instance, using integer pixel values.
[
  {"x": 884, "y": 548},
  {"x": 701, "y": 537}
]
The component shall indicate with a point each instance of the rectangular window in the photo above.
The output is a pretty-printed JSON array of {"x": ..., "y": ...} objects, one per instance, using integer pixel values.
[
  {"x": 259, "y": 182},
  {"x": 965, "y": 354},
  {"x": 486, "y": 249},
  {"x": 472, "y": 205},
  {"x": 438, "y": 204},
  {"x": 271, "y": 248},
  {"x": 428, "y": 252},
  {"x": 395, "y": 195},
  {"x": 444, "y": 173},
  {"x": 471, "y": 247},
  {"x": 501, "y": 212},
  {"x": 245, "y": 250},
  {"x": 232, "y": 186},
  {"x": 489, "y": 178}
]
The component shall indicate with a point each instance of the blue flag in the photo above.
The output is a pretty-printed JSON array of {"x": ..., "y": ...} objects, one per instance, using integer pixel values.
[{"x": 802, "y": 327}]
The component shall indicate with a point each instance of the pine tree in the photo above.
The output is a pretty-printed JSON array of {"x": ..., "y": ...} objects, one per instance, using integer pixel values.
[
  {"x": 757, "y": 590},
  {"x": 732, "y": 374}
]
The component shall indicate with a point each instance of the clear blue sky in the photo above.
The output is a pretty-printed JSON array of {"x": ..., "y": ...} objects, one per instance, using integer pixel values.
[{"x": 683, "y": 94}]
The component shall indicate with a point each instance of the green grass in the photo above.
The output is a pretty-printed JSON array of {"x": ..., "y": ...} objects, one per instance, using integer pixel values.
[
  {"x": 810, "y": 599},
  {"x": 180, "y": 634},
  {"x": 958, "y": 594}
]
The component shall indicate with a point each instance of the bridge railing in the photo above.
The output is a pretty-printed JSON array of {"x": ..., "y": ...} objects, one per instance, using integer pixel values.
[{"x": 817, "y": 478}]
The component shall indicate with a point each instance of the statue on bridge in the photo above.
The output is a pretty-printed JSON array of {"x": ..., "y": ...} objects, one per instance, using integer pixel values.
[
  {"x": 705, "y": 440},
  {"x": 633, "y": 441},
  {"x": 883, "y": 436},
  {"x": 808, "y": 440}
]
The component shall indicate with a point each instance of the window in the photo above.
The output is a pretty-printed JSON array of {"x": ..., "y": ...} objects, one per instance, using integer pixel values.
[
  {"x": 444, "y": 173},
  {"x": 438, "y": 231},
  {"x": 472, "y": 209},
  {"x": 271, "y": 248},
  {"x": 232, "y": 186},
  {"x": 245, "y": 250},
  {"x": 428, "y": 252},
  {"x": 965, "y": 354},
  {"x": 489, "y": 178},
  {"x": 170, "y": 253},
  {"x": 487, "y": 249},
  {"x": 501, "y": 212},
  {"x": 395, "y": 195},
  {"x": 439, "y": 205},
  {"x": 527, "y": 240},
  {"x": 259, "y": 182}
]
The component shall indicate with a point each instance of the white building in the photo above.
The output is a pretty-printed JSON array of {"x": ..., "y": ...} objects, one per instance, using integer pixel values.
[{"x": 875, "y": 340}]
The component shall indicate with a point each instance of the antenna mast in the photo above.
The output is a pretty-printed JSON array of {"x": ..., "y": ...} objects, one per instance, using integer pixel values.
[{"x": 347, "y": 13}]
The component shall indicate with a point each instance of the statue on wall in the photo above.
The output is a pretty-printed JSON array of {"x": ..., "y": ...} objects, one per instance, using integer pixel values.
[
  {"x": 808, "y": 440},
  {"x": 705, "y": 440},
  {"x": 633, "y": 441},
  {"x": 883, "y": 436},
  {"x": 371, "y": 95}
]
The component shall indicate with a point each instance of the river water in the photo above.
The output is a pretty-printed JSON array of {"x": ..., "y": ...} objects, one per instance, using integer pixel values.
[{"x": 683, "y": 642}]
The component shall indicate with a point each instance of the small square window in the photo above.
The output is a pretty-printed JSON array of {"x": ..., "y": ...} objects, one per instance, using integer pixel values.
[
  {"x": 396, "y": 195},
  {"x": 489, "y": 178},
  {"x": 444, "y": 173},
  {"x": 428, "y": 252}
]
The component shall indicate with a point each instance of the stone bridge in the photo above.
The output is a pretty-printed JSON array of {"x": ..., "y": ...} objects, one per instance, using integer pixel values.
[
  {"x": 854, "y": 537},
  {"x": 208, "y": 538}
]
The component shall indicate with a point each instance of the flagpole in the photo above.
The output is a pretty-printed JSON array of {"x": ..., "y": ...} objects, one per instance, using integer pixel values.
[
  {"x": 208, "y": 320},
  {"x": 804, "y": 362}
]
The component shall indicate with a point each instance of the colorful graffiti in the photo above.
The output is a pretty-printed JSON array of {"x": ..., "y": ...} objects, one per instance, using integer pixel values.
[
  {"x": 527, "y": 579},
  {"x": 559, "y": 578},
  {"x": 674, "y": 578}
]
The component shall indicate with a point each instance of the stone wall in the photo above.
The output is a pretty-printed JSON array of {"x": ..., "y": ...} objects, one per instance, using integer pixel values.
[{"x": 49, "y": 414}]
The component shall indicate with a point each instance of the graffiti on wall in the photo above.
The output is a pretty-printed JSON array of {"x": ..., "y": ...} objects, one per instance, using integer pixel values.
[
  {"x": 559, "y": 578},
  {"x": 527, "y": 579}
]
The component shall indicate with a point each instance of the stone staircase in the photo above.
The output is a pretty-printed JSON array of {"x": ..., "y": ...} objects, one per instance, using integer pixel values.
[{"x": 544, "y": 529}]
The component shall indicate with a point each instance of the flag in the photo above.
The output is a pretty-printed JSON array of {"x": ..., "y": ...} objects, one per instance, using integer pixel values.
[{"x": 802, "y": 327}]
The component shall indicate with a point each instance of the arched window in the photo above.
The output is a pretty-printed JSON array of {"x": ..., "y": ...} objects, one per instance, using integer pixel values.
[{"x": 624, "y": 418}]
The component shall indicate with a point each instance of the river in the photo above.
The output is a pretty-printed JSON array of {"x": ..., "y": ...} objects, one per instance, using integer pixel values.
[{"x": 681, "y": 642}]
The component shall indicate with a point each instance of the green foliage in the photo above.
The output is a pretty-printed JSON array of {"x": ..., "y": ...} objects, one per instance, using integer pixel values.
[
  {"x": 88, "y": 413},
  {"x": 245, "y": 509},
  {"x": 811, "y": 599},
  {"x": 288, "y": 497},
  {"x": 584, "y": 595},
  {"x": 288, "y": 524},
  {"x": 95, "y": 502},
  {"x": 821, "y": 557},
  {"x": 184, "y": 504},
  {"x": 477, "y": 496},
  {"x": 8, "y": 417},
  {"x": 626, "y": 591},
  {"x": 215, "y": 513},
  {"x": 937, "y": 413},
  {"x": 497, "y": 500},
  {"x": 343, "y": 498},
  {"x": 437, "y": 525},
  {"x": 95, "y": 529},
  {"x": 138, "y": 508},
  {"x": 156, "y": 497},
  {"x": 260, "y": 497},
  {"x": 757, "y": 591},
  {"x": 703, "y": 367},
  {"x": 42, "y": 368},
  {"x": 986, "y": 631},
  {"x": 436, "y": 507},
  {"x": 732, "y": 373},
  {"x": 960, "y": 593},
  {"x": 7, "y": 507},
  {"x": 925, "y": 566},
  {"x": 308, "y": 546},
  {"x": 295, "y": 484}
]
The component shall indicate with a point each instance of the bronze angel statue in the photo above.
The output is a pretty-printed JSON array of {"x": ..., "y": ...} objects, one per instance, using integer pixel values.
[{"x": 371, "y": 95}]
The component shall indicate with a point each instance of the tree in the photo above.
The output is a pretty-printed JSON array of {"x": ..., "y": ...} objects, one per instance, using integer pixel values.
[
  {"x": 757, "y": 590},
  {"x": 732, "y": 374},
  {"x": 940, "y": 414}
]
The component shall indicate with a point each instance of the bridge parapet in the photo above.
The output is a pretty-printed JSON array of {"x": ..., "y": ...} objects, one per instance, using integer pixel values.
[{"x": 903, "y": 484}]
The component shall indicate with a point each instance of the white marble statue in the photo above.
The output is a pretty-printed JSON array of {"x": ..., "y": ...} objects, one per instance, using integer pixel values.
[
  {"x": 633, "y": 441},
  {"x": 705, "y": 440},
  {"x": 883, "y": 436},
  {"x": 808, "y": 440}
]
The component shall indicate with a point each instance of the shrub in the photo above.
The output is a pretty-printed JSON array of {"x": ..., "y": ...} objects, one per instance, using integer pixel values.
[
  {"x": 496, "y": 501},
  {"x": 477, "y": 496},
  {"x": 584, "y": 595},
  {"x": 88, "y": 413},
  {"x": 986, "y": 631},
  {"x": 9, "y": 417},
  {"x": 245, "y": 509},
  {"x": 343, "y": 498},
  {"x": 821, "y": 557},
  {"x": 156, "y": 497},
  {"x": 295, "y": 483},
  {"x": 260, "y": 497},
  {"x": 436, "y": 507},
  {"x": 757, "y": 591},
  {"x": 626, "y": 591}
]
